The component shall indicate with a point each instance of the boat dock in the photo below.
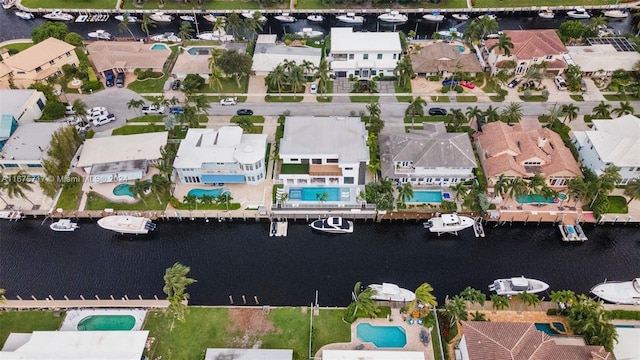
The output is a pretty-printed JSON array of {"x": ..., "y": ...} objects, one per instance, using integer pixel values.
[
  {"x": 279, "y": 228},
  {"x": 478, "y": 229},
  {"x": 572, "y": 233}
]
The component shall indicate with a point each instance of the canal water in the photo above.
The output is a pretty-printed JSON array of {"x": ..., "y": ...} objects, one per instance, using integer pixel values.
[{"x": 239, "y": 258}]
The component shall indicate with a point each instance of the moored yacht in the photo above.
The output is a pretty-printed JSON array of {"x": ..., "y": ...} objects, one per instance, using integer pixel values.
[
  {"x": 166, "y": 37},
  {"x": 434, "y": 17},
  {"x": 130, "y": 18},
  {"x": 63, "y": 225},
  {"x": 315, "y": 18},
  {"x": 391, "y": 292},
  {"x": 546, "y": 14},
  {"x": 100, "y": 35},
  {"x": 350, "y": 18},
  {"x": 393, "y": 17},
  {"x": 448, "y": 223},
  {"x": 619, "y": 292},
  {"x": 489, "y": 15},
  {"x": 8, "y": 4},
  {"x": 219, "y": 35},
  {"x": 461, "y": 17},
  {"x": 578, "y": 13},
  {"x": 11, "y": 215},
  {"x": 189, "y": 18},
  {"x": 517, "y": 285},
  {"x": 161, "y": 17},
  {"x": 309, "y": 32},
  {"x": 616, "y": 14},
  {"x": 212, "y": 18},
  {"x": 249, "y": 15},
  {"x": 333, "y": 225},
  {"x": 285, "y": 17},
  {"x": 58, "y": 15},
  {"x": 125, "y": 224},
  {"x": 24, "y": 15}
]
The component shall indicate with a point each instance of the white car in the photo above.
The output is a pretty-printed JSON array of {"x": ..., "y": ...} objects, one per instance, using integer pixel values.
[
  {"x": 97, "y": 109},
  {"x": 83, "y": 126},
  {"x": 102, "y": 120},
  {"x": 74, "y": 120},
  {"x": 228, "y": 101},
  {"x": 97, "y": 114},
  {"x": 314, "y": 88},
  {"x": 69, "y": 110},
  {"x": 153, "y": 109}
]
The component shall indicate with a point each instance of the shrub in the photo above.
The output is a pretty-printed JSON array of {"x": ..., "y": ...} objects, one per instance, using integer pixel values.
[
  {"x": 545, "y": 94},
  {"x": 445, "y": 89},
  {"x": 53, "y": 110},
  {"x": 552, "y": 311},
  {"x": 527, "y": 94},
  {"x": 90, "y": 86},
  {"x": 459, "y": 89}
]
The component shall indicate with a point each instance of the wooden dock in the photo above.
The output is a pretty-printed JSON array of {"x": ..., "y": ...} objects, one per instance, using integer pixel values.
[{"x": 83, "y": 303}]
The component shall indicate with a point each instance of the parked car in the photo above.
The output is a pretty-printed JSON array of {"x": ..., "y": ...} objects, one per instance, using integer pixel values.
[
  {"x": 244, "y": 112},
  {"x": 96, "y": 109},
  {"x": 513, "y": 83},
  {"x": 560, "y": 83},
  {"x": 97, "y": 114},
  {"x": 437, "y": 111},
  {"x": 583, "y": 85},
  {"x": 468, "y": 84},
  {"x": 83, "y": 126},
  {"x": 228, "y": 101},
  {"x": 175, "y": 85},
  {"x": 449, "y": 82},
  {"x": 313, "y": 88},
  {"x": 74, "y": 120},
  {"x": 529, "y": 85},
  {"x": 69, "y": 110},
  {"x": 105, "y": 119},
  {"x": 153, "y": 109},
  {"x": 120, "y": 80},
  {"x": 109, "y": 78},
  {"x": 176, "y": 110}
]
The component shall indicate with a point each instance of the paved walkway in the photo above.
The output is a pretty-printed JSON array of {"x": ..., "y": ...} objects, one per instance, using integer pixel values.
[{"x": 81, "y": 303}]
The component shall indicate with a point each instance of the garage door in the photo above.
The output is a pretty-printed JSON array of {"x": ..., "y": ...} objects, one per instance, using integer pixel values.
[{"x": 340, "y": 74}]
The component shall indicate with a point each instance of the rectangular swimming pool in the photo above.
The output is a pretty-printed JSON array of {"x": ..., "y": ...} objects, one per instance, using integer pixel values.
[
  {"x": 382, "y": 336},
  {"x": 426, "y": 196},
  {"x": 319, "y": 194}
]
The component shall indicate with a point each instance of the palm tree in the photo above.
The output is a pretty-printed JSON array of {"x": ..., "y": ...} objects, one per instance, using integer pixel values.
[
  {"x": 405, "y": 192},
  {"x": 246, "y": 124},
  {"x": 491, "y": 114},
  {"x": 219, "y": 25},
  {"x": 307, "y": 67},
  {"x": 474, "y": 113},
  {"x": 277, "y": 78},
  {"x": 362, "y": 299},
  {"x": 570, "y": 112},
  {"x": 456, "y": 310},
  {"x": 478, "y": 316},
  {"x": 504, "y": 43},
  {"x": 529, "y": 299},
  {"x": 632, "y": 190},
  {"x": 499, "y": 302},
  {"x": 17, "y": 184},
  {"x": 424, "y": 298},
  {"x": 191, "y": 201},
  {"x": 555, "y": 113},
  {"x": 225, "y": 198},
  {"x": 461, "y": 189},
  {"x": 207, "y": 200},
  {"x": 487, "y": 25},
  {"x": 457, "y": 119},
  {"x": 374, "y": 110},
  {"x": 185, "y": 31},
  {"x": 159, "y": 185},
  {"x": 140, "y": 188},
  {"x": 415, "y": 109},
  {"x": 518, "y": 188},
  {"x": 323, "y": 75},
  {"x": 147, "y": 23},
  {"x": 135, "y": 104},
  {"x": 512, "y": 113},
  {"x": 296, "y": 78},
  {"x": 564, "y": 298},
  {"x": 201, "y": 103},
  {"x": 234, "y": 25},
  {"x": 577, "y": 189},
  {"x": 501, "y": 187},
  {"x": 403, "y": 72},
  {"x": 124, "y": 25},
  {"x": 175, "y": 285},
  {"x": 602, "y": 110},
  {"x": 215, "y": 78},
  {"x": 473, "y": 295},
  {"x": 624, "y": 109},
  {"x": 536, "y": 183}
]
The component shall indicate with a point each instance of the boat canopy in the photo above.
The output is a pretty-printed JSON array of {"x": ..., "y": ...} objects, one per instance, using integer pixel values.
[
  {"x": 450, "y": 219},
  {"x": 388, "y": 288},
  {"x": 519, "y": 283}
]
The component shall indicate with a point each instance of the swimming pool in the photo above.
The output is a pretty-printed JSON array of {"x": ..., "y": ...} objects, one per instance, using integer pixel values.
[
  {"x": 159, "y": 47},
  {"x": 107, "y": 322},
  {"x": 122, "y": 190},
  {"x": 319, "y": 194},
  {"x": 211, "y": 192},
  {"x": 382, "y": 336},
  {"x": 425, "y": 196},
  {"x": 199, "y": 51},
  {"x": 461, "y": 48},
  {"x": 539, "y": 199},
  {"x": 546, "y": 327}
]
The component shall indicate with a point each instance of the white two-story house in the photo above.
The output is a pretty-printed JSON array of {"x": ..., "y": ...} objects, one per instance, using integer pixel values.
[
  {"x": 611, "y": 142},
  {"x": 364, "y": 54}
]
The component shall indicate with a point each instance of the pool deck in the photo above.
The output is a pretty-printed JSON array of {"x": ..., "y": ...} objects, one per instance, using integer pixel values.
[{"x": 74, "y": 316}]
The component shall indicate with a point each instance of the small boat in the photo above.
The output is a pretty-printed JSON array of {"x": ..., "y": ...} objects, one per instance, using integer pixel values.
[
  {"x": 189, "y": 18},
  {"x": 494, "y": 35},
  {"x": 489, "y": 15},
  {"x": 82, "y": 18},
  {"x": 125, "y": 224},
  {"x": 604, "y": 31},
  {"x": 572, "y": 233},
  {"x": 351, "y": 18},
  {"x": 393, "y": 17},
  {"x": 309, "y": 33},
  {"x": 166, "y": 37},
  {"x": 64, "y": 225},
  {"x": 478, "y": 229},
  {"x": 616, "y": 14},
  {"x": 517, "y": 285},
  {"x": 58, "y": 15},
  {"x": 100, "y": 35},
  {"x": 619, "y": 292},
  {"x": 212, "y": 18},
  {"x": 461, "y": 17},
  {"x": 249, "y": 15},
  {"x": 8, "y": 4},
  {"x": 333, "y": 225},
  {"x": 578, "y": 13},
  {"x": 315, "y": 18},
  {"x": 219, "y": 35},
  {"x": 11, "y": 215},
  {"x": 546, "y": 14},
  {"x": 24, "y": 15},
  {"x": 433, "y": 17},
  {"x": 161, "y": 17},
  {"x": 391, "y": 292},
  {"x": 285, "y": 17},
  {"x": 448, "y": 223},
  {"x": 131, "y": 18}
]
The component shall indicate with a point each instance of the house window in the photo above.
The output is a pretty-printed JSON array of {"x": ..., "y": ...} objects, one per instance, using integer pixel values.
[
  {"x": 365, "y": 56},
  {"x": 332, "y": 161},
  {"x": 379, "y": 56},
  {"x": 549, "y": 57},
  {"x": 395, "y": 56},
  {"x": 316, "y": 161},
  {"x": 40, "y": 104},
  {"x": 68, "y": 53},
  {"x": 296, "y": 160},
  {"x": 348, "y": 168},
  {"x": 356, "y": 73},
  {"x": 34, "y": 165},
  {"x": 10, "y": 165},
  {"x": 348, "y": 180},
  {"x": 351, "y": 56},
  {"x": 51, "y": 62},
  {"x": 38, "y": 69},
  {"x": 373, "y": 73}
]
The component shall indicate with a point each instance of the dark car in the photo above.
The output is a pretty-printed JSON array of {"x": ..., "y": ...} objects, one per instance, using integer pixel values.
[
  {"x": 120, "y": 80},
  {"x": 449, "y": 82},
  {"x": 437, "y": 111},
  {"x": 176, "y": 110},
  {"x": 175, "y": 85},
  {"x": 109, "y": 78},
  {"x": 514, "y": 83},
  {"x": 244, "y": 112}
]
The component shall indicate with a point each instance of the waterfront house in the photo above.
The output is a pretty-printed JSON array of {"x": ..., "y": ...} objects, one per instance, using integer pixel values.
[
  {"x": 441, "y": 58},
  {"x": 602, "y": 59},
  {"x": 195, "y": 60},
  {"x": 611, "y": 142},
  {"x": 26, "y": 148},
  {"x": 36, "y": 63},
  {"x": 529, "y": 47},
  {"x": 58, "y": 345},
  {"x": 431, "y": 156},
  {"x": 269, "y": 54},
  {"x": 18, "y": 106},
  {"x": 523, "y": 150},
  {"x": 324, "y": 151},
  {"x": 120, "y": 158},
  {"x": 248, "y": 354},
  {"x": 126, "y": 56},
  {"x": 226, "y": 155},
  {"x": 482, "y": 340},
  {"x": 364, "y": 54}
]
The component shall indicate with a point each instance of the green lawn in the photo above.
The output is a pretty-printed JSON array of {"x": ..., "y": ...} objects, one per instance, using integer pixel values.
[
  {"x": 467, "y": 98},
  {"x": 329, "y": 328},
  {"x": 149, "y": 85},
  {"x": 97, "y": 202},
  {"x": 427, "y": 118},
  {"x": 283, "y": 98},
  {"x": 364, "y": 98},
  {"x": 577, "y": 97},
  {"x": 325, "y": 98},
  {"x": 440, "y": 99},
  {"x": 229, "y": 86},
  {"x": 318, "y": 4},
  {"x": 174, "y": 5},
  {"x": 147, "y": 119},
  {"x": 617, "y": 205},
  {"x": 521, "y": 3},
  {"x": 291, "y": 331},
  {"x": 27, "y": 321},
  {"x": 534, "y": 98},
  {"x": 137, "y": 129},
  {"x": 70, "y": 197},
  {"x": 17, "y": 47},
  {"x": 70, "y": 4},
  {"x": 611, "y": 97},
  {"x": 256, "y": 119}
]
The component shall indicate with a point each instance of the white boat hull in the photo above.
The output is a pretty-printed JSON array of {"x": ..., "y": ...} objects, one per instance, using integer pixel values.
[
  {"x": 315, "y": 18},
  {"x": 433, "y": 18},
  {"x": 63, "y": 225},
  {"x": 515, "y": 286},
  {"x": 188, "y": 18},
  {"x": 285, "y": 18},
  {"x": 58, "y": 17},
  {"x": 351, "y": 19},
  {"x": 161, "y": 18},
  {"x": 24, "y": 15},
  {"x": 578, "y": 15},
  {"x": 547, "y": 15},
  {"x": 100, "y": 35},
  {"x": 448, "y": 223},
  {"x": 393, "y": 19},
  {"x": 165, "y": 38},
  {"x": 619, "y": 292},
  {"x": 11, "y": 215},
  {"x": 124, "y": 224},
  {"x": 309, "y": 33},
  {"x": 391, "y": 292},
  {"x": 616, "y": 14},
  {"x": 333, "y": 226},
  {"x": 461, "y": 17},
  {"x": 120, "y": 18}
]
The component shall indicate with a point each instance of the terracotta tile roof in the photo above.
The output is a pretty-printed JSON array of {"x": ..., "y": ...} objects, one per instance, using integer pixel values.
[
  {"x": 105, "y": 54},
  {"x": 521, "y": 341},
  {"x": 528, "y": 44},
  {"x": 39, "y": 54},
  {"x": 440, "y": 56}
]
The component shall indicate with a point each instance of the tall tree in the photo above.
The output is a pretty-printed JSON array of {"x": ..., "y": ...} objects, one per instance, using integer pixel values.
[
  {"x": 473, "y": 295},
  {"x": 456, "y": 310},
  {"x": 624, "y": 109},
  {"x": 140, "y": 188},
  {"x": 529, "y": 299},
  {"x": 79, "y": 107},
  {"x": 175, "y": 286},
  {"x": 499, "y": 302},
  {"x": 159, "y": 185},
  {"x": 16, "y": 185},
  {"x": 124, "y": 25},
  {"x": 201, "y": 104},
  {"x": 234, "y": 25},
  {"x": 491, "y": 114},
  {"x": 424, "y": 298},
  {"x": 135, "y": 104},
  {"x": 362, "y": 300},
  {"x": 277, "y": 78},
  {"x": 570, "y": 112},
  {"x": 415, "y": 109},
  {"x": 296, "y": 78},
  {"x": 186, "y": 31},
  {"x": 632, "y": 190},
  {"x": 512, "y": 113},
  {"x": 323, "y": 75},
  {"x": 147, "y": 24},
  {"x": 504, "y": 44},
  {"x": 602, "y": 110},
  {"x": 403, "y": 72},
  {"x": 235, "y": 64},
  {"x": 405, "y": 192}
]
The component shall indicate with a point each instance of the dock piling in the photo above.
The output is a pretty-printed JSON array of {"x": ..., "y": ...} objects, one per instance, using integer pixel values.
[
  {"x": 19, "y": 298},
  {"x": 255, "y": 298},
  {"x": 230, "y": 300},
  {"x": 81, "y": 297},
  {"x": 33, "y": 297},
  {"x": 244, "y": 299}
]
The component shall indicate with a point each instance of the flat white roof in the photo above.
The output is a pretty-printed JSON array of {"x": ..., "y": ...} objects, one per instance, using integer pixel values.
[
  {"x": 627, "y": 345},
  {"x": 602, "y": 57},
  {"x": 617, "y": 140},
  {"x": 65, "y": 345},
  {"x": 248, "y": 354},
  {"x": 344, "y": 40},
  {"x": 122, "y": 148},
  {"x": 371, "y": 355},
  {"x": 30, "y": 141},
  {"x": 12, "y": 101}
]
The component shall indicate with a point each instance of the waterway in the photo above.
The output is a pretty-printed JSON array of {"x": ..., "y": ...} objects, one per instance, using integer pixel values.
[{"x": 239, "y": 258}]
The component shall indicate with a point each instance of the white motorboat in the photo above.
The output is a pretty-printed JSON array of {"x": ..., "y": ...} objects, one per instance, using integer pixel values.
[
  {"x": 64, "y": 225},
  {"x": 391, "y": 292},
  {"x": 604, "y": 31},
  {"x": 212, "y": 18},
  {"x": 82, "y": 18},
  {"x": 166, "y": 37},
  {"x": 219, "y": 35},
  {"x": 619, "y": 292},
  {"x": 448, "y": 223},
  {"x": 125, "y": 224},
  {"x": 315, "y": 18},
  {"x": 285, "y": 17},
  {"x": 100, "y": 35},
  {"x": 461, "y": 17},
  {"x": 489, "y": 15},
  {"x": 517, "y": 285},
  {"x": 572, "y": 233},
  {"x": 350, "y": 18},
  {"x": 433, "y": 17},
  {"x": 393, "y": 17},
  {"x": 130, "y": 18},
  {"x": 578, "y": 13},
  {"x": 333, "y": 225},
  {"x": 24, "y": 15},
  {"x": 58, "y": 15},
  {"x": 161, "y": 17},
  {"x": 309, "y": 33},
  {"x": 451, "y": 33},
  {"x": 616, "y": 14},
  {"x": 11, "y": 215},
  {"x": 546, "y": 14},
  {"x": 189, "y": 18},
  {"x": 8, "y": 4},
  {"x": 249, "y": 15}
]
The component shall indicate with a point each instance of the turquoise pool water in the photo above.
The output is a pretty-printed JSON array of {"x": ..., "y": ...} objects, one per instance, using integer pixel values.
[
  {"x": 159, "y": 47},
  {"x": 549, "y": 330},
  {"x": 382, "y": 336},
  {"x": 211, "y": 192},
  {"x": 425, "y": 196},
  {"x": 539, "y": 199},
  {"x": 316, "y": 193},
  {"x": 107, "y": 322},
  {"x": 199, "y": 51},
  {"x": 122, "y": 190},
  {"x": 461, "y": 48}
]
